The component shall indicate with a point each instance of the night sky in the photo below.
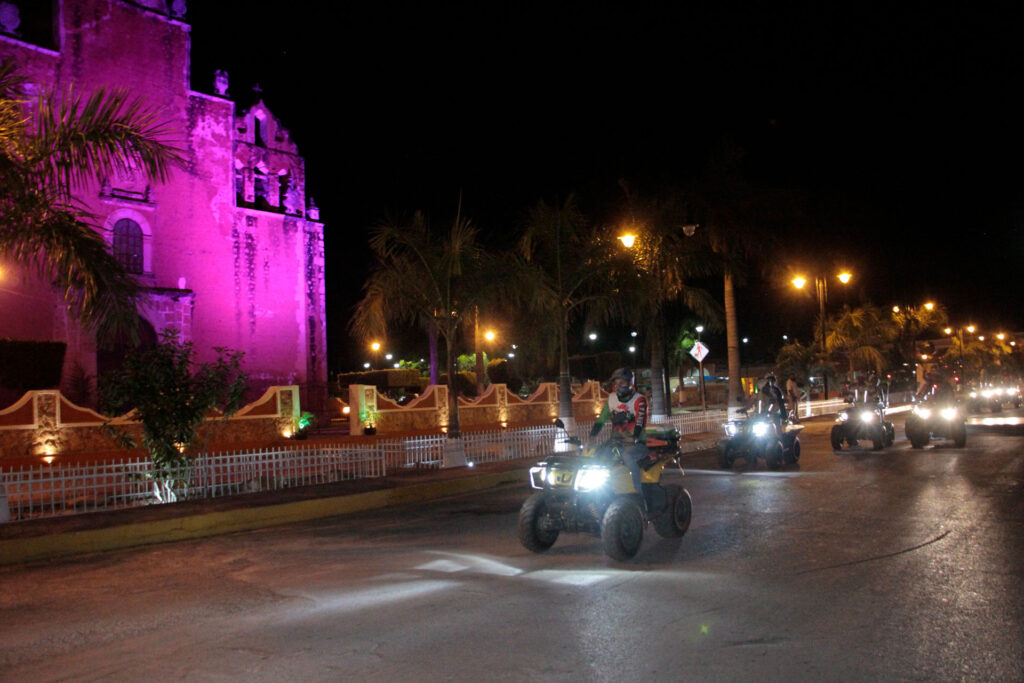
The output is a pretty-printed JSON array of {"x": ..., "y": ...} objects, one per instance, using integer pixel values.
[{"x": 902, "y": 124}]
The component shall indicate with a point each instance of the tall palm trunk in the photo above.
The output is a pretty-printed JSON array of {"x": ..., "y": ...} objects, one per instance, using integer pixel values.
[
  {"x": 659, "y": 406},
  {"x": 564, "y": 388},
  {"x": 732, "y": 340},
  {"x": 454, "y": 430},
  {"x": 432, "y": 344}
]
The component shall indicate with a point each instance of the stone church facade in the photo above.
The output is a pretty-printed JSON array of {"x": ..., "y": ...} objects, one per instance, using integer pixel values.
[{"x": 230, "y": 250}]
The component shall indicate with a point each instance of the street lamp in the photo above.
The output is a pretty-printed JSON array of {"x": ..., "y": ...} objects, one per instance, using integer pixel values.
[
  {"x": 821, "y": 287},
  {"x": 970, "y": 329}
]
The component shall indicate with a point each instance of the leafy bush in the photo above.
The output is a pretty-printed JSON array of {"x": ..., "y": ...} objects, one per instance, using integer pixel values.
[{"x": 171, "y": 400}]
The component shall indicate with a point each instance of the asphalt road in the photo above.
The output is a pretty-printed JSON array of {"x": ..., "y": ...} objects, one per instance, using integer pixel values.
[{"x": 892, "y": 565}]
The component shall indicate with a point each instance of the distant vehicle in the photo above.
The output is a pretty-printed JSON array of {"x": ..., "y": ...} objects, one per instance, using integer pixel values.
[
  {"x": 758, "y": 436},
  {"x": 862, "y": 421},
  {"x": 936, "y": 417},
  {"x": 993, "y": 398}
]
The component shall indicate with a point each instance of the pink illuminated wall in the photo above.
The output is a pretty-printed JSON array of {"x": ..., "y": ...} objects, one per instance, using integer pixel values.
[{"x": 232, "y": 255}]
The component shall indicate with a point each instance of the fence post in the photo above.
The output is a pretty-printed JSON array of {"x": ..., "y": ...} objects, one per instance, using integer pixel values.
[{"x": 5, "y": 512}]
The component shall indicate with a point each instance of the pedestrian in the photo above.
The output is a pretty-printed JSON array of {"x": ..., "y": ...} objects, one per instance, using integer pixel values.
[{"x": 793, "y": 397}]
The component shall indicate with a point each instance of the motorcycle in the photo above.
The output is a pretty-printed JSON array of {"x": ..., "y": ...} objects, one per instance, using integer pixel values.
[
  {"x": 862, "y": 421},
  {"x": 936, "y": 417},
  {"x": 758, "y": 436},
  {"x": 591, "y": 491}
]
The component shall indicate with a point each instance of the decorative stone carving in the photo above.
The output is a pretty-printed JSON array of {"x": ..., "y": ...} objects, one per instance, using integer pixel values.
[
  {"x": 10, "y": 18},
  {"x": 220, "y": 82}
]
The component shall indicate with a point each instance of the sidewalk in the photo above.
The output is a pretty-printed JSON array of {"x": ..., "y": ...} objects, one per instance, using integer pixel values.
[{"x": 71, "y": 535}]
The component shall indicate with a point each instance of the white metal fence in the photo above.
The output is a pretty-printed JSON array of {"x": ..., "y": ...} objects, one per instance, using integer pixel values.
[{"x": 51, "y": 490}]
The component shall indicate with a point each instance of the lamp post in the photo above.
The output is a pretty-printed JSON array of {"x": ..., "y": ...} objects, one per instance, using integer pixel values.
[
  {"x": 700, "y": 369},
  {"x": 628, "y": 240},
  {"x": 960, "y": 339},
  {"x": 821, "y": 288}
]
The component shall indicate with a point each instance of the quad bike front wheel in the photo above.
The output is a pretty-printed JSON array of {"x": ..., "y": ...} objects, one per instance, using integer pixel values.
[
  {"x": 675, "y": 520},
  {"x": 836, "y": 437},
  {"x": 959, "y": 434},
  {"x": 533, "y": 519},
  {"x": 773, "y": 455},
  {"x": 726, "y": 455},
  {"x": 622, "y": 529},
  {"x": 793, "y": 452},
  {"x": 878, "y": 439},
  {"x": 890, "y": 434}
]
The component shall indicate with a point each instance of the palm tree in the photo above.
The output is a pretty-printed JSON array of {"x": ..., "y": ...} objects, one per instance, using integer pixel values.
[
  {"x": 565, "y": 272},
  {"x": 910, "y": 321},
  {"x": 663, "y": 261},
  {"x": 735, "y": 218},
  {"x": 45, "y": 157},
  {"x": 425, "y": 280},
  {"x": 862, "y": 335}
]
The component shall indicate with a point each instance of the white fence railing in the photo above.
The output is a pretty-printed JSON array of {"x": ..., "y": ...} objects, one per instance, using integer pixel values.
[{"x": 52, "y": 490}]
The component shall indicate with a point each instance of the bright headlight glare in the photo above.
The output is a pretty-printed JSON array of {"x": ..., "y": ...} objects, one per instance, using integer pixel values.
[
  {"x": 731, "y": 429},
  {"x": 974, "y": 394},
  {"x": 923, "y": 412},
  {"x": 987, "y": 393},
  {"x": 843, "y": 417},
  {"x": 591, "y": 478},
  {"x": 949, "y": 413},
  {"x": 760, "y": 429},
  {"x": 867, "y": 416},
  {"x": 551, "y": 477}
]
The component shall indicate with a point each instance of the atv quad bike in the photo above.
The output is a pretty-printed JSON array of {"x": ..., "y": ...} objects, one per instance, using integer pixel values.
[{"x": 591, "y": 491}]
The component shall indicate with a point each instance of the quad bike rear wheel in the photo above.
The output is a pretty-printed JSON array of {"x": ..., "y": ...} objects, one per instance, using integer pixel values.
[
  {"x": 675, "y": 520},
  {"x": 622, "y": 529},
  {"x": 533, "y": 516}
]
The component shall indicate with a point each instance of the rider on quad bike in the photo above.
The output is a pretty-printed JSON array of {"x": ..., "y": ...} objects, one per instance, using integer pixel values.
[{"x": 627, "y": 409}]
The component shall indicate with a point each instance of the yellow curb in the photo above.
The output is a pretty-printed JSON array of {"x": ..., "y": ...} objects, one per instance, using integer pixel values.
[{"x": 69, "y": 544}]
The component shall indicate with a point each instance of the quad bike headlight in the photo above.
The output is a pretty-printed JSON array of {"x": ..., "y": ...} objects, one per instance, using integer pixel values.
[
  {"x": 731, "y": 428},
  {"x": 974, "y": 394},
  {"x": 867, "y": 416},
  {"x": 988, "y": 393},
  {"x": 760, "y": 428},
  {"x": 590, "y": 478},
  {"x": 923, "y": 413},
  {"x": 949, "y": 413},
  {"x": 843, "y": 417}
]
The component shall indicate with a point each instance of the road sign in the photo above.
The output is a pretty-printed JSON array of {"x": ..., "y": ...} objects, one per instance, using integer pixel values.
[{"x": 700, "y": 352}]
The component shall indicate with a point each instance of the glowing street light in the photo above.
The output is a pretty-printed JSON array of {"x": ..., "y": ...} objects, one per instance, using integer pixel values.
[
  {"x": 821, "y": 287},
  {"x": 627, "y": 240}
]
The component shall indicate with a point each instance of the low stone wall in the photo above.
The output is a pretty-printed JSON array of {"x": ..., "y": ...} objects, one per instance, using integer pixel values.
[
  {"x": 496, "y": 406},
  {"x": 45, "y": 424}
]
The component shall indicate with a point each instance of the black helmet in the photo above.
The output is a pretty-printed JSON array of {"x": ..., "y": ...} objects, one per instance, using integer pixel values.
[{"x": 770, "y": 377}]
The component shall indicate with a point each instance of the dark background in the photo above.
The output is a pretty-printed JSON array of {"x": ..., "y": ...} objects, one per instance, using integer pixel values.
[{"x": 901, "y": 123}]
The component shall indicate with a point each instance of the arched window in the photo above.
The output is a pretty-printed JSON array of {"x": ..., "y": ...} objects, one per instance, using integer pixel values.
[{"x": 127, "y": 245}]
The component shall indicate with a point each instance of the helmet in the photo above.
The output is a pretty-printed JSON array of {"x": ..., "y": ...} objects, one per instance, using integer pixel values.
[
  {"x": 770, "y": 378},
  {"x": 625, "y": 375}
]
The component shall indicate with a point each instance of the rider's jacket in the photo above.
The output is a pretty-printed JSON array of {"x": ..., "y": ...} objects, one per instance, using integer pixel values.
[
  {"x": 776, "y": 401},
  {"x": 629, "y": 418}
]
